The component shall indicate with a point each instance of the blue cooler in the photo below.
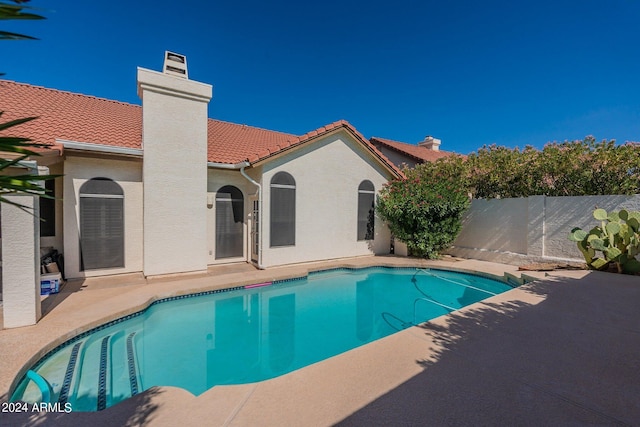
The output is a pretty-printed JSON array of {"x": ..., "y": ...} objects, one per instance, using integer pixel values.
[{"x": 50, "y": 283}]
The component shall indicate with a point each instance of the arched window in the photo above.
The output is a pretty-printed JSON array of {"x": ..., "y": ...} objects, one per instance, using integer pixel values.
[
  {"x": 366, "y": 210},
  {"x": 229, "y": 222},
  {"x": 101, "y": 224},
  {"x": 283, "y": 210}
]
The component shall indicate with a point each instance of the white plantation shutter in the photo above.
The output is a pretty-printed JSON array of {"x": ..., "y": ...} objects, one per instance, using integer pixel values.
[
  {"x": 101, "y": 224},
  {"x": 283, "y": 210}
]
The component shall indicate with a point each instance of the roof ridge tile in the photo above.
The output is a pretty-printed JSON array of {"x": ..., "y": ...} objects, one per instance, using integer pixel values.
[{"x": 415, "y": 151}]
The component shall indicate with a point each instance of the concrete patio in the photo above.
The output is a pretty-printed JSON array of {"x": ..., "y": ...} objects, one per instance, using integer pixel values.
[{"x": 564, "y": 350}]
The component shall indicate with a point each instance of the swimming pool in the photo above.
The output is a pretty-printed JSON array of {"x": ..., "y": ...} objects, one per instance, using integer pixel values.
[{"x": 245, "y": 334}]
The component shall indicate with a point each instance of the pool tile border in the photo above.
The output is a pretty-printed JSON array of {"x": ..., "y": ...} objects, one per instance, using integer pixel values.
[
  {"x": 68, "y": 376},
  {"x": 102, "y": 376},
  {"x": 131, "y": 364}
]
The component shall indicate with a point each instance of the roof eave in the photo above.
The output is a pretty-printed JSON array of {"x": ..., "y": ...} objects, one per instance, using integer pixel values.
[
  {"x": 398, "y": 150},
  {"x": 228, "y": 166},
  {"x": 325, "y": 131},
  {"x": 100, "y": 148}
]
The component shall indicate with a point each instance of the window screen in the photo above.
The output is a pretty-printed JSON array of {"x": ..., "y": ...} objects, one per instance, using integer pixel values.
[
  {"x": 48, "y": 210},
  {"x": 229, "y": 222},
  {"x": 101, "y": 224},
  {"x": 283, "y": 210},
  {"x": 366, "y": 210}
]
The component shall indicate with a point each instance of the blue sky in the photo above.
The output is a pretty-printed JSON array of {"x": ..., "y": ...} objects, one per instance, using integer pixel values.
[{"x": 467, "y": 72}]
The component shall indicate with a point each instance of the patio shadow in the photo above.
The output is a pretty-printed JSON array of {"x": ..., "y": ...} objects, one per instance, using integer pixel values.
[{"x": 564, "y": 353}]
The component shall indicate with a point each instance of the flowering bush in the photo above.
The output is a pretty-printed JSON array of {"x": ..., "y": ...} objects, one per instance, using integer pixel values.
[
  {"x": 425, "y": 209},
  {"x": 570, "y": 168}
]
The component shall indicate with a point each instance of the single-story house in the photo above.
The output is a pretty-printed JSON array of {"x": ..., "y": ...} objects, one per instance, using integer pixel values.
[
  {"x": 162, "y": 189},
  {"x": 402, "y": 154}
]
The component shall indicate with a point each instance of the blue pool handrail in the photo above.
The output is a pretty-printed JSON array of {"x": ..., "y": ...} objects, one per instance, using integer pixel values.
[
  {"x": 432, "y": 301},
  {"x": 430, "y": 273},
  {"x": 45, "y": 388}
]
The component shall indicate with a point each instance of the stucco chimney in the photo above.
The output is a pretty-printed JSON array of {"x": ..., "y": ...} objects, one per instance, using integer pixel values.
[
  {"x": 174, "y": 170},
  {"x": 431, "y": 143}
]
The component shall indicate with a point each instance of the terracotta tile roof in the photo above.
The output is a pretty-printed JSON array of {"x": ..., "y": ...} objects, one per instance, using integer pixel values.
[
  {"x": 421, "y": 154},
  {"x": 81, "y": 118},
  {"x": 233, "y": 143},
  {"x": 70, "y": 116},
  {"x": 293, "y": 142}
]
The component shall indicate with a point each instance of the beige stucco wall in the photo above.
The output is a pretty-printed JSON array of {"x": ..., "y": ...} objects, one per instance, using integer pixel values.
[
  {"x": 174, "y": 135},
  {"x": 327, "y": 174},
  {"x": 531, "y": 229},
  {"x": 49, "y": 241},
  {"x": 397, "y": 158},
  {"x": 497, "y": 224},
  {"x": 128, "y": 174},
  {"x": 20, "y": 261},
  {"x": 562, "y": 214}
]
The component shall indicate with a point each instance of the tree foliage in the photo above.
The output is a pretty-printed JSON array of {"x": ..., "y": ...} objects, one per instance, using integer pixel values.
[
  {"x": 425, "y": 209},
  {"x": 570, "y": 168},
  {"x": 16, "y": 9},
  {"x": 15, "y": 149}
]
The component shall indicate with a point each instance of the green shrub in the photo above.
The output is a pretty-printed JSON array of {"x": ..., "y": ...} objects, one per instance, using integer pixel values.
[
  {"x": 425, "y": 209},
  {"x": 617, "y": 238}
]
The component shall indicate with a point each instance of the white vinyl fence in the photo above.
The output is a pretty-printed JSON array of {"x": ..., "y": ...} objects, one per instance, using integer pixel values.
[{"x": 531, "y": 229}]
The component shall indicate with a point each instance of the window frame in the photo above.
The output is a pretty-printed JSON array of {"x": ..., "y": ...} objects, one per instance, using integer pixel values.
[
  {"x": 109, "y": 207},
  {"x": 282, "y": 192},
  {"x": 48, "y": 210},
  {"x": 237, "y": 202},
  {"x": 366, "y": 227}
]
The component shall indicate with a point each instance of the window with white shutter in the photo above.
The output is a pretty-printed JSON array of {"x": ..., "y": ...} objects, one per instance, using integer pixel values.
[
  {"x": 283, "y": 210},
  {"x": 101, "y": 224}
]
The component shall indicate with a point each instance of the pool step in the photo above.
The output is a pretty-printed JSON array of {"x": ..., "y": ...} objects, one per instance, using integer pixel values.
[
  {"x": 124, "y": 381},
  {"x": 68, "y": 376},
  {"x": 108, "y": 375},
  {"x": 95, "y": 373},
  {"x": 134, "y": 381}
]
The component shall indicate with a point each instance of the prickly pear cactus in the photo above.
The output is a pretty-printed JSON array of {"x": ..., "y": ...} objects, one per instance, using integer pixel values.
[{"x": 616, "y": 241}]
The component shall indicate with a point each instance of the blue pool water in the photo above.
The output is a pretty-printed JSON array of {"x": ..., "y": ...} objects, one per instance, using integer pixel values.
[{"x": 247, "y": 334}]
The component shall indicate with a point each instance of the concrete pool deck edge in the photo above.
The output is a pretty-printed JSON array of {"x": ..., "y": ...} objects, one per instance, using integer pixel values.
[{"x": 354, "y": 387}]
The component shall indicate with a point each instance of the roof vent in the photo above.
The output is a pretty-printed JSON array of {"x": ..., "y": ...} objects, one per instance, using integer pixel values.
[
  {"x": 175, "y": 65},
  {"x": 430, "y": 143}
]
